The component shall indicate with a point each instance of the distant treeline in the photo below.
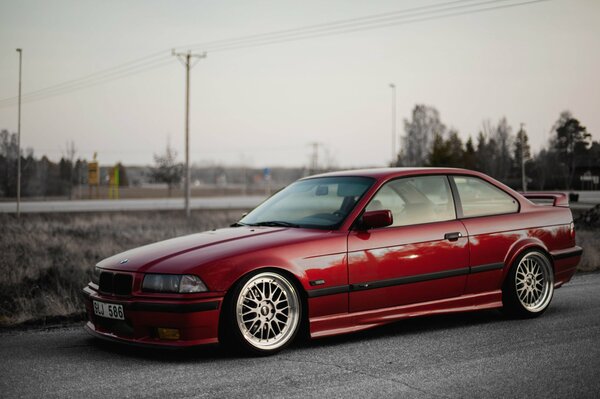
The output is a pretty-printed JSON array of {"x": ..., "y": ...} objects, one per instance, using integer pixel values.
[
  {"x": 40, "y": 177},
  {"x": 497, "y": 151}
]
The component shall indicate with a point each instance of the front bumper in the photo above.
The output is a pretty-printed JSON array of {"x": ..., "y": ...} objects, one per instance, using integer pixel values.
[{"x": 197, "y": 320}]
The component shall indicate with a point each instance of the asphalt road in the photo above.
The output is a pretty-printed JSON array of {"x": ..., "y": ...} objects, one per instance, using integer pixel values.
[
  {"x": 587, "y": 199},
  {"x": 206, "y": 203},
  {"x": 478, "y": 354}
]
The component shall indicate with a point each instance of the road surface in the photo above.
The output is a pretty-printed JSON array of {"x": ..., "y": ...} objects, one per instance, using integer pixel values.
[
  {"x": 154, "y": 204},
  {"x": 464, "y": 355},
  {"x": 587, "y": 199}
]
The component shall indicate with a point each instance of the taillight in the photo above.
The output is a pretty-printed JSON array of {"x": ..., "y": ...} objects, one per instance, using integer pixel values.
[{"x": 572, "y": 227}]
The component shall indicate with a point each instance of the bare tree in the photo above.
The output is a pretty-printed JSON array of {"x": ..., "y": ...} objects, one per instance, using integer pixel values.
[
  {"x": 493, "y": 149},
  {"x": 8, "y": 163},
  {"x": 504, "y": 138},
  {"x": 167, "y": 169},
  {"x": 69, "y": 154},
  {"x": 420, "y": 133}
]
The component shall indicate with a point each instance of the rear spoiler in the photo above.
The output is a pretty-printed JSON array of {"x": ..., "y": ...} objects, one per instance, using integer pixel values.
[{"x": 558, "y": 199}]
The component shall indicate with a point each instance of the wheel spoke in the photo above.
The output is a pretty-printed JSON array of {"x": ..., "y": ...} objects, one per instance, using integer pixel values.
[
  {"x": 534, "y": 282},
  {"x": 267, "y": 311},
  {"x": 249, "y": 312},
  {"x": 271, "y": 330}
]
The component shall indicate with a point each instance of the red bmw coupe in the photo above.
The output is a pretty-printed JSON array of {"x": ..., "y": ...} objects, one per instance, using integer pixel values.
[{"x": 341, "y": 252}]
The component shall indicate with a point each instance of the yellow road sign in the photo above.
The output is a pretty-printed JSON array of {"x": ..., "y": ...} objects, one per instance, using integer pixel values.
[{"x": 93, "y": 173}]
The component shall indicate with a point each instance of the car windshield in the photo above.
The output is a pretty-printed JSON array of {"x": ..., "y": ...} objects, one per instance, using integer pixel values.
[{"x": 321, "y": 202}]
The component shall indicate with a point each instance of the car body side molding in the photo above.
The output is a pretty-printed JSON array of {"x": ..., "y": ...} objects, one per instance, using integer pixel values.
[
  {"x": 486, "y": 268},
  {"x": 369, "y": 285}
]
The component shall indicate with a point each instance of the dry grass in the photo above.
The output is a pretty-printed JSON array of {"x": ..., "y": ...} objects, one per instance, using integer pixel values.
[
  {"x": 589, "y": 240},
  {"x": 46, "y": 259}
]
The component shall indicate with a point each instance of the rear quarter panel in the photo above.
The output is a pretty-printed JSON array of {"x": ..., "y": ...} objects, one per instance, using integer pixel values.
[{"x": 502, "y": 238}]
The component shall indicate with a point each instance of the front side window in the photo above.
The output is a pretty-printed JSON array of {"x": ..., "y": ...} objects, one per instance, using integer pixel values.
[
  {"x": 322, "y": 202},
  {"x": 480, "y": 198},
  {"x": 415, "y": 200}
]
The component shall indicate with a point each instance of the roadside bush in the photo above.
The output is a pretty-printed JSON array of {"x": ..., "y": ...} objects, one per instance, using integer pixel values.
[{"x": 589, "y": 240}]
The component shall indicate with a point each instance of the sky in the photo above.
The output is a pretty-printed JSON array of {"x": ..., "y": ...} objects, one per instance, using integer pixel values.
[{"x": 263, "y": 106}]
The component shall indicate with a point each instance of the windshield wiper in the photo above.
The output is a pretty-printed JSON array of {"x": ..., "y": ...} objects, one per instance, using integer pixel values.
[
  {"x": 237, "y": 224},
  {"x": 275, "y": 223}
]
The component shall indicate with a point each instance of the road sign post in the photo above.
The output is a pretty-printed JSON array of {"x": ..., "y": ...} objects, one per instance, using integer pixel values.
[
  {"x": 93, "y": 175},
  {"x": 267, "y": 179}
]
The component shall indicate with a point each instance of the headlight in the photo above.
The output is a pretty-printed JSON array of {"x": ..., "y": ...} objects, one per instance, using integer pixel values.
[
  {"x": 186, "y": 283},
  {"x": 96, "y": 275}
]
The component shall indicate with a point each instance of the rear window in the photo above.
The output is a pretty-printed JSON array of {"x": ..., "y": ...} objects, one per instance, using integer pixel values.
[{"x": 480, "y": 198}]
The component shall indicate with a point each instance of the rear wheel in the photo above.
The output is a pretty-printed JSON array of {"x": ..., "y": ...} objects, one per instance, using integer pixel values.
[
  {"x": 263, "y": 314},
  {"x": 529, "y": 286}
]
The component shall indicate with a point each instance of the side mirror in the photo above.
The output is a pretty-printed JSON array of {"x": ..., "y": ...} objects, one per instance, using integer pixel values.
[{"x": 376, "y": 219}]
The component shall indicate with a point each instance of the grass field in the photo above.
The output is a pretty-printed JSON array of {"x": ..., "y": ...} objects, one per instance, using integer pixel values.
[{"x": 47, "y": 258}]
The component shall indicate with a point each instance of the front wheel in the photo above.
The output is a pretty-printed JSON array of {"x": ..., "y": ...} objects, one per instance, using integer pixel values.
[
  {"x": 529, "y": 286},
  {"x": 263, "y": 314}
]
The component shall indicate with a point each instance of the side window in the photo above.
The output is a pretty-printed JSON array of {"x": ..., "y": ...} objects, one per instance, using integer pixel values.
[
  {"x": 416, "y": 200},
  {"x": 480, "y": 198}
]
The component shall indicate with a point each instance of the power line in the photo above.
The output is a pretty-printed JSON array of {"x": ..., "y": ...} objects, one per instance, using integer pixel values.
[
  {"x": 376, "y": 21},
  {"x": 371, "y": 27},
  {"x": 133, "y": 70},
  {"x": 331, "y": 24},
  {"x": 369, "y": 22},
  {"x": 101, "y": 73},
  {"x": 107, "y": 73}
]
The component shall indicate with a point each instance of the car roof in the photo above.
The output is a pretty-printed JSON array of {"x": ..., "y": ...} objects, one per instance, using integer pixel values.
[{"x": 385, "y": 173}]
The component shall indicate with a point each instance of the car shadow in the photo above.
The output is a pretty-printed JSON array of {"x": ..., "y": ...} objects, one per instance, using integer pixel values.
[
  {"x": 207, "y": 352},
  {"x": 406, "y": 327}
]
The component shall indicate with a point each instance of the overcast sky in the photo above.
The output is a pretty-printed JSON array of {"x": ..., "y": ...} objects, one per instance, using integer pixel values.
[{"x": 262, "y": 106}]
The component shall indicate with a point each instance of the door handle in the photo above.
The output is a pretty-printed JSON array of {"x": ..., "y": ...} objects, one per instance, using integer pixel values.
[{"x": 452, "y": 236}]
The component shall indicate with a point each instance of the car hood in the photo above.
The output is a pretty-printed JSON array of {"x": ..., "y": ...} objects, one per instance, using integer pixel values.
[{"x": 181, "y": 254}]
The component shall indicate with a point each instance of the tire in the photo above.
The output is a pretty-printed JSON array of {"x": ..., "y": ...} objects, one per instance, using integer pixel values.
[
  {"x": 529, "y": 286},
  {"x": 263, "y": 314}
]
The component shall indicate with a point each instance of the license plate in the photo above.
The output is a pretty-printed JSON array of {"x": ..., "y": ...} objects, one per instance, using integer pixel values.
[{"x": 109, "y": 310}]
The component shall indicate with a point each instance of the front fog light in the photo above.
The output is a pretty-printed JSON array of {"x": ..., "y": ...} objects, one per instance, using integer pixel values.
[
  {"x": 168, "y": 333},
  {"x": 96, "y": 275}
]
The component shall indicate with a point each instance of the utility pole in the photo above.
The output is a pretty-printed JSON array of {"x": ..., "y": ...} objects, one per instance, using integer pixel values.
[
  {"x": 314, "y": 158},
  {"x": 393, "y": 87},
  {"x": 186, "y": 59},
  {"x": 522, "y": 140},
  {"x": 20, "y": 51}
]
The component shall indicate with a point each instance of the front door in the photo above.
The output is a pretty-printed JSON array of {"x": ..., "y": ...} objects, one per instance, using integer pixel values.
[{"x": 423, "y": 256}]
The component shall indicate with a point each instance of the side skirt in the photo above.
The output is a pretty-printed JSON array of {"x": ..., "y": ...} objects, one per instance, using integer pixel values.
[{"x": 324, "y": 326}]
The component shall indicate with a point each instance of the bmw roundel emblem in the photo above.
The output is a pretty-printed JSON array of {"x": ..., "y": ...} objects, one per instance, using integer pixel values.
[{"x": 124, "y": 261}]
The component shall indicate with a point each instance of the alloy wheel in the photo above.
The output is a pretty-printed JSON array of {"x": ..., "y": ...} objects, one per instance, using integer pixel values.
[
  {"x": 534, "y": 282},
  {"x": 267, "y": 311}
]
